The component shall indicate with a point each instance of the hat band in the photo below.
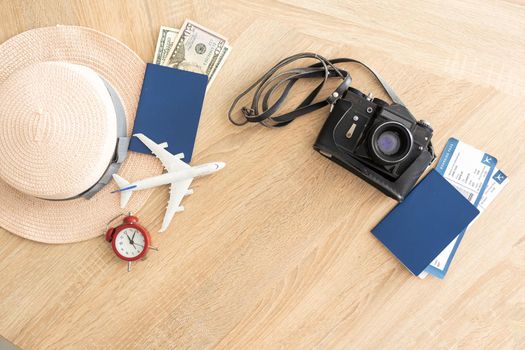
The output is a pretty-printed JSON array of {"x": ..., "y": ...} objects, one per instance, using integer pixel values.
[{"x": 121, "y": 149}]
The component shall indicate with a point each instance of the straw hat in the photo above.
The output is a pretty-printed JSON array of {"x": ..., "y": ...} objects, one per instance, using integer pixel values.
[{"x": 65, "y": 93}]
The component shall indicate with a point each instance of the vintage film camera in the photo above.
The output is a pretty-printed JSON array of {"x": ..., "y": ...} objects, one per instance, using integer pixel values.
[{"x": 381, "y": 143}]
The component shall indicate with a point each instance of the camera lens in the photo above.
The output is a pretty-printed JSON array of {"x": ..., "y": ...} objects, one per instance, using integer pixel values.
[
  {"x": 391, "y": 142},
  {"x": 388, "y": 142}
]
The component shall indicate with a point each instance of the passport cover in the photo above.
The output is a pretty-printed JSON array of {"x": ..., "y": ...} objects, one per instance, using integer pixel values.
[
  {"x": 169, "y": 109},
  {"x": 429, "y": 218}
]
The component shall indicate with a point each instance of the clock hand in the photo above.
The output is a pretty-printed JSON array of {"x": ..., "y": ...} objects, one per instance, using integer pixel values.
[
  {"x": 130, "y": 240},
  {"x": 133, "y": 237},
  {"x": 140, "y": 245}
]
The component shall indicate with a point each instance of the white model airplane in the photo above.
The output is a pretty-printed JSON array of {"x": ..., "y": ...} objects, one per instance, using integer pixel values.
[{"x": 179, "y": 175}]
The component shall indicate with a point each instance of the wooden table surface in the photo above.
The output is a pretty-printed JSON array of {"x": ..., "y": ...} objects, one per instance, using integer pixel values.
[{"x": 275, "y": 251}]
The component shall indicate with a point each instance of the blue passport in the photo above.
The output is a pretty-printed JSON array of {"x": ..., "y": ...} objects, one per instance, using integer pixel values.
[
  {"x": 429, "y": 218},
  {"x": 169, "y": 109}
]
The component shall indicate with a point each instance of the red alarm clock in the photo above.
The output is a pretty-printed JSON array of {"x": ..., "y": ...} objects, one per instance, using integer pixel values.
[{"x": 130, "y": 241}]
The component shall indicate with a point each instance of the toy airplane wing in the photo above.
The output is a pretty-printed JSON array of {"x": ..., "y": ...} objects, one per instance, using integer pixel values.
[
  {"x": 171, "y": 162},
  {"x": 177, "y": 191}
]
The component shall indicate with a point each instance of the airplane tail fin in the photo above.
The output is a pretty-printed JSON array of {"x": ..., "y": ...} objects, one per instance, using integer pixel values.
[{"x": 124, "y": 195}]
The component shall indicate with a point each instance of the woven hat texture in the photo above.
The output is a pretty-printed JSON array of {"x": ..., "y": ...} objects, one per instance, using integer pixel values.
[{"x": 58, "y": 131}]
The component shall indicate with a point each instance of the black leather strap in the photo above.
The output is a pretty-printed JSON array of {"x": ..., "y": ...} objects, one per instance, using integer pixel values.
[{"x": 273, "y": 80}]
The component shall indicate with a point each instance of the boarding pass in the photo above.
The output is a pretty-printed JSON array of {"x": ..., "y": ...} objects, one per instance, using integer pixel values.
[{"x": 469, "y": 170}]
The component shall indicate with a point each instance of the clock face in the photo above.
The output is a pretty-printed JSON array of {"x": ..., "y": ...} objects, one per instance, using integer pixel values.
[{"x": 130, "y": 242}]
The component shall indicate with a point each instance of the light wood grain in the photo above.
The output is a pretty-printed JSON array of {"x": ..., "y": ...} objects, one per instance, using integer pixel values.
[{"x": 275, "y": 250}]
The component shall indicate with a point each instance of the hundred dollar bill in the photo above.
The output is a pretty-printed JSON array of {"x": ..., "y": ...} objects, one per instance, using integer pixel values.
[
  {"x": 165, "y": 43},
  {"x": 197, "y": 49}
]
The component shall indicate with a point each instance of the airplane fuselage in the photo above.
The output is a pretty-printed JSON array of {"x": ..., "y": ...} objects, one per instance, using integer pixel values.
[{"x": 177, "y": 176}]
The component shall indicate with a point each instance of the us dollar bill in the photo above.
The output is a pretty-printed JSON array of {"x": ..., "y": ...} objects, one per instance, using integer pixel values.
[
  {"x": 198, "y": 49},
  {"x": 165, "y": 43},
  {"x": 222, "y": 58}
]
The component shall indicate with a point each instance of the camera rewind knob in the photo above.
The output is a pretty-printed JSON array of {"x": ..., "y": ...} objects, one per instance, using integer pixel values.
[{"x": 425, "y": 123}]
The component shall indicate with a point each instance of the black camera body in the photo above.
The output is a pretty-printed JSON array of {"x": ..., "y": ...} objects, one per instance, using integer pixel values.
[{"x": 381, "y": 143}]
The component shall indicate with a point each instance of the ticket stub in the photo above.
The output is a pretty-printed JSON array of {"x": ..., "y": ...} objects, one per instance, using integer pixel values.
[
  {"x": 496, "y": 183},
  {"x": 469, "y": 171}
]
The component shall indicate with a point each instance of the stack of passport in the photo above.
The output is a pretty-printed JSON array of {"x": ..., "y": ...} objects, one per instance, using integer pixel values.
[{"x": 425, "y": 230}]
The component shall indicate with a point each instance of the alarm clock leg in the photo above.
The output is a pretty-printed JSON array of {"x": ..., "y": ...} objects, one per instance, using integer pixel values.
[{"x": 129, "y": 266}]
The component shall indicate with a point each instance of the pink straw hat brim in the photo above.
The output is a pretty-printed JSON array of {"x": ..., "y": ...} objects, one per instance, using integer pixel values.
[{"x": 77, "y": 219}]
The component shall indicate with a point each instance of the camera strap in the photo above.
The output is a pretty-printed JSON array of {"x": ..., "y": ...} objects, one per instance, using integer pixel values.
[{"x": 261, "y": 112}]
